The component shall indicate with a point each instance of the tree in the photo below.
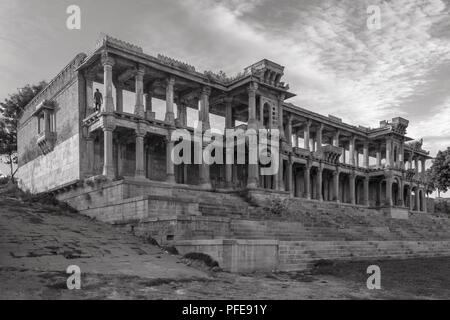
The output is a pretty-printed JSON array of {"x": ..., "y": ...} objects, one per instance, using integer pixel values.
[
  {"x": 440, "y": 171},
  {"x": 10, "y": 111}
]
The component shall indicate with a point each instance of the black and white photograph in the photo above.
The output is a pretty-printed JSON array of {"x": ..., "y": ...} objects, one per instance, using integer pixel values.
[{"x": 224, "y": 154}]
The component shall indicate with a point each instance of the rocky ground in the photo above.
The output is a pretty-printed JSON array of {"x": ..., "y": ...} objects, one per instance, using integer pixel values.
[{"x": 39, "y": 241}]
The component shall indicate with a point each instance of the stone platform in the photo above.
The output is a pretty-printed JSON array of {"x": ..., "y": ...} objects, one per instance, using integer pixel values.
[{"x": 239, "y": 230}]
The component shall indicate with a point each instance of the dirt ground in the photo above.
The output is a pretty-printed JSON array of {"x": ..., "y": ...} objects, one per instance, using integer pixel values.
[{"x": 38, "y": 242}]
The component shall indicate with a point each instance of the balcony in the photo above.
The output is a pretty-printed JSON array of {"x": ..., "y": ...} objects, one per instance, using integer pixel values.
[
  {"x": 301, "y": 152},
  {"x": 46, "y": 141},
  {"x": 330, "y": 153}
]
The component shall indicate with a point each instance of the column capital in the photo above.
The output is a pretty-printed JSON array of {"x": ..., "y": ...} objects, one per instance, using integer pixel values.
[
  {"x": 107, "y": 60},
  {"x": 139, "y": 71},
  {"x": 170, "y": 81},
  {"x": 252, "y": 88},
  {"x": 206, "y": 91},
  {"x": 308, "y": 124},
  {"x": 228, "y": 100},
  {"x": 281, "y": 97}
]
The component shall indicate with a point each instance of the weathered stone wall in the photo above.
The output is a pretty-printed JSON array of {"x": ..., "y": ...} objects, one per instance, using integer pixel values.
[
  {"x": 38, "y": 172},
  {"x": 236, "y": 255},
  {"x": 267, "y": 255},
  {"x": 59, "y": 167}
]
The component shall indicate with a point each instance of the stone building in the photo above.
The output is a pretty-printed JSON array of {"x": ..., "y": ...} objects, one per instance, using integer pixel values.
[{"x": 63, "y": 142}]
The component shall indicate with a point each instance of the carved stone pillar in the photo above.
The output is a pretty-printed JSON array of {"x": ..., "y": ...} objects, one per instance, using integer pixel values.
[
  {"x": 417, "y": 198},
  {"x": 170, "y": 167},
  {"x": 281, "y": 173},
  {"x": 366, "y": 154},
  {"x": 170, "y": 116},
  {"x": 336, "y": 185},
  {"x": 140, "y": 170},
  {"x": 108, "y": 161},
  {"x": 336, "y": 138},
  {"x": 89, "y": 91},
  {"x": 289, "y": 130},
  {"x": 351, "y": 151},
  {"x": 378, "y": 156},
  {"x": 204, "y": 107},
  {"x": 229, "y": 125},
  {"x": 280, "y": 116},
  {"x": 90, "y": 153},
  {"x": 388, "y": 153},
  {"x": 352, "y": 180},
  {"x": 319, "y": 137},
  {"x": 139, "y": 84},
  {"x": 108, "y": 63},
  {"x": 307, "y": 179},
  {"x": 319, "y": 183},
  {"x": 289, "y": 176},
  {"x": 389, "y": 201},
  {"x": 253, "y": 171},
  {"x": 306, "y": 134},
  {"x": 253, "y": 87},
  {"x": 366, "y": 191}
]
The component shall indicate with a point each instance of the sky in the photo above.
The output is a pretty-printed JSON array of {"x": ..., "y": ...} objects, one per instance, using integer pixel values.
[{"x": 334, "y": 62}]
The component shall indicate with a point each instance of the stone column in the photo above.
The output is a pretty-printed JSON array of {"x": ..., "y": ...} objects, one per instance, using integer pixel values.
[
  {"x": 336, "y": 138},
  {"x": 306, "y": 134},
  {"x": 357, "y": 157},
  {"x": 139, "y": 88},
  {"x": 351, "y": 152},
  {"x": 289, "y": 177},
  {"x": 289, "y": 130},
  {"x": 401, "y": 155},
  {"x": 422, "y": 162},
  {"x": 378, "y": 155},
  {"x": 389, "y": 192},
  {"x": 410, "y": 160},
  {"x": 366, "y": 154},
  {"x": 229, "y": 125},
  {"x": 417, "y": 199},
  {"x": 319, "y": 137},
  {"x": 46, "y": 121},
  {"x": 388, "y": 153},
  {"x": 108, "y": 162},
  {"x": 253, "y": 174},
  {"x": 411, "y": 202},
  {"x": 261, "y": 111},
  {"x": 170, "y": 167},
  {"x": 89, "y": 91},
  {"x": 296, "y": 139},
  {"x": 139, "y": 170},
  {"x": 400, "y": 194},
  {"x": 307, "y": 179},
  {"x": 90, "y": 155},
  {"x": 424, "y": 201},
  {"x": 319, "y": 183},
  {"x": 119, "y": 99},
  {"x": 148, "y": 104},
  {"x": 108, "y": 63},
  {"x": 280, "y": 116},
  {"x": 280, "y": 178},
  {"x": 366, "y": 191},
  {"x": 204, "y": 108},
  {"x": 416, "y": 166},
  {"x": 336, "y": 185},
  {"x": 170, "y": 116},
  {"x": 344, "y": 160},
  {"x": 352, "y": 180}
]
